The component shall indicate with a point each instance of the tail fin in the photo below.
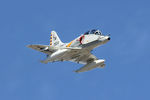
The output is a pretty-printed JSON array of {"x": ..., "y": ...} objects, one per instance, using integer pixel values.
[{"x": 54, "y": 39}]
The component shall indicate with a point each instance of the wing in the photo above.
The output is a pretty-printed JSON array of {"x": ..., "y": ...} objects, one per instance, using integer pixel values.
[
  {"x": 83, "y": 58},
  {"x": 42, "y": 48}
]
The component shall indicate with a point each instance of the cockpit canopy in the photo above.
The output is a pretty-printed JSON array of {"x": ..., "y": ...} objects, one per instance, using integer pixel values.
[{"x": 94, "y": 31}]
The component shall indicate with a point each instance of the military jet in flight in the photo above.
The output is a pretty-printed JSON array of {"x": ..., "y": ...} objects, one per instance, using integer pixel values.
[{"x": 78, "y": 50}]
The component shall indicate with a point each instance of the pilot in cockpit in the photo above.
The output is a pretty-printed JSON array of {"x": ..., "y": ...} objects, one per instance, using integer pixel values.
[{"x": 94, "y": 31}]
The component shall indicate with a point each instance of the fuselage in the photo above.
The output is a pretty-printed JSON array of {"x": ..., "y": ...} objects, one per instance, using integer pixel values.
[{"x": 87, "y": 41}]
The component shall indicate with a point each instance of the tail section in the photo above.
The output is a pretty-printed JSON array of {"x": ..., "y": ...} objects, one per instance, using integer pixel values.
[{"x": 54, "y": 39}]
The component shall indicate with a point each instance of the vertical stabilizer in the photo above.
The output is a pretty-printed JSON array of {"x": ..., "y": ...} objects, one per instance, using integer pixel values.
[{"x": 54, "y": 39}]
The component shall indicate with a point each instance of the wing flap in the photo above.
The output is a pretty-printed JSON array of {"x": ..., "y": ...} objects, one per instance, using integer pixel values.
[{"x": 83, "y": 58}]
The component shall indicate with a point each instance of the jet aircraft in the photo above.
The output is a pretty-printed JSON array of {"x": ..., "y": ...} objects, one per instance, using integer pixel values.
[{"x": 78, "y": 50}]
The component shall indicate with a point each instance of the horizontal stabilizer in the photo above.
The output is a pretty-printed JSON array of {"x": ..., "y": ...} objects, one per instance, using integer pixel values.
[{"x": 43, "y": 48}]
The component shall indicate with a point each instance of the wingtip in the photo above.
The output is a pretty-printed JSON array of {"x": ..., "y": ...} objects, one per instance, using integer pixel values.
[
  {"x": 76, "y": 71},
  {"x": 43, "y": 61},
  {"x": 29, "y": 46}
]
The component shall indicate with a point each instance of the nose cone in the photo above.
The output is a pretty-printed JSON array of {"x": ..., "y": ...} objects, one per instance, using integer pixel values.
[
  {"x": 107, "y": 37},
  {"x": 104, "y": 39}
]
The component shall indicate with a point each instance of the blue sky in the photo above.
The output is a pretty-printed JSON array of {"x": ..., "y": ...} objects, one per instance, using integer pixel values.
[{"x": 127, "y": 72}]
